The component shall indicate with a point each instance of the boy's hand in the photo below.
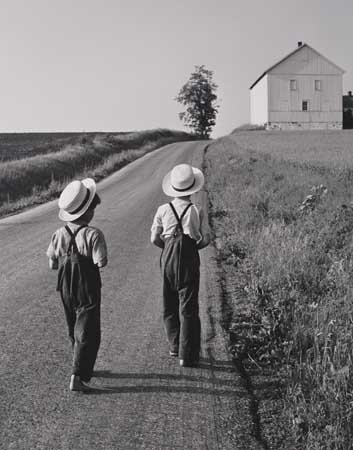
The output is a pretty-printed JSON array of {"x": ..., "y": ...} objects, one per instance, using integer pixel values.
[
  {"x": 204, "y": 241},
  {"x": 53, "y": 264},
  {"x": 156, "y": 238}
]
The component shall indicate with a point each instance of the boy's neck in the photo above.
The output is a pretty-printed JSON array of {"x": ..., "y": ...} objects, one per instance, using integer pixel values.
[
  {"x": 186, "y": 198},
  {"x": 79, "y": 222}
]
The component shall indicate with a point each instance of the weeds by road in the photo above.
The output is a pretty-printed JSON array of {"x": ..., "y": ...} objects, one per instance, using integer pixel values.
[
  {"x": 36, "y": 179},
  {"x": 283, "y": 229}
]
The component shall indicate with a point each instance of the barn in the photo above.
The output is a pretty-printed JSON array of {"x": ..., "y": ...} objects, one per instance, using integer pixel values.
[{"x": 301, "y": 91}]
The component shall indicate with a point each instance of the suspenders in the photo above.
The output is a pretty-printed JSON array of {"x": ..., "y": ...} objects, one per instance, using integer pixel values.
[
  {"x": 72, "y": 244},
  {"x": 179, "y": 219}
]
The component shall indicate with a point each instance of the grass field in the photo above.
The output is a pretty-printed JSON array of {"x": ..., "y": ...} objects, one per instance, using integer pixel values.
[
  {"x": 280, "y": 205},
  {"x": 329, "y": 148},
  {"x": 35, "y": 167}
]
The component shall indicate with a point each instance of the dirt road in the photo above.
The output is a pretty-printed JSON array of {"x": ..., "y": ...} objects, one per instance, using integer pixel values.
[{"x": 142, "y": 398}]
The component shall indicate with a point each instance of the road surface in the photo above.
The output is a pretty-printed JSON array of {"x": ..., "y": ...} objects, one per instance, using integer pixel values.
[{"x": 142, "y": 398}]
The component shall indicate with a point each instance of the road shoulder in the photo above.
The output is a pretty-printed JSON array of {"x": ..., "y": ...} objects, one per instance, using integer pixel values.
[{"x": 237, "y": 415}]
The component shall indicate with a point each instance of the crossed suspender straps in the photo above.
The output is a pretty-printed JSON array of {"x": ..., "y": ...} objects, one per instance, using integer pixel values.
[
  {"x": 179, "y": 219},
  {"x": 72, "y": 244}
]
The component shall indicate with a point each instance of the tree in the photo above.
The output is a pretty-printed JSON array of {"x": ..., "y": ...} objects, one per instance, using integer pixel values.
[{"x": 199, "y": 96}]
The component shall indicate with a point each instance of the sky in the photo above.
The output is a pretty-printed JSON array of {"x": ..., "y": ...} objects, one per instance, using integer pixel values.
[{"x": 117, "y": 65}]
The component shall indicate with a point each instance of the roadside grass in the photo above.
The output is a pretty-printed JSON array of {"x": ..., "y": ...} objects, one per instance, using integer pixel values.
[
  {"x": 33, "y": 180},
  {"x": 248, "y": 127},
  {"x": 283, "y": 228}
]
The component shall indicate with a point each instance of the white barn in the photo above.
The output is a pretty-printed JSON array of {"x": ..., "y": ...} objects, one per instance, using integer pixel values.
[{"x": 301, "y": 91}]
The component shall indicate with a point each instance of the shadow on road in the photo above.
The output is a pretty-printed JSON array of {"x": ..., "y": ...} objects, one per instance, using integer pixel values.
[
  {"x": 212, "y": 385},
  {"x": 224, "y": 366},
  {"x": 160, "y": 388}
]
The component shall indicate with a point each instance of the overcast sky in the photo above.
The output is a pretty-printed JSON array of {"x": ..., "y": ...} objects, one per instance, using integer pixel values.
[{"x": 117, "y": 65}]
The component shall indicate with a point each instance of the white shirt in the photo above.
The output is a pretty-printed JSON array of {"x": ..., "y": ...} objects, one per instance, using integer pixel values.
[
  {"x": 194, "y": 222},
  {"x": 89, "y": 240}
]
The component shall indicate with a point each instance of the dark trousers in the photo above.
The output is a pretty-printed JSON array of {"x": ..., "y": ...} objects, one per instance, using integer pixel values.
[
  {"x": 85, "y": 335},
  {"x": 180, "y": 265},
  {"x": 80, "y": 289}
]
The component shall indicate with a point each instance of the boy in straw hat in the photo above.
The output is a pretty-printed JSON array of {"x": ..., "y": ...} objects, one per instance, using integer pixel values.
[
  {"x": 78, "y": 251},
  {"x": 181, "y": 229}
]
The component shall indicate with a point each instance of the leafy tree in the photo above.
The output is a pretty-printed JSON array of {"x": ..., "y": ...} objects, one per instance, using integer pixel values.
[{"x": 199, "y": 96}]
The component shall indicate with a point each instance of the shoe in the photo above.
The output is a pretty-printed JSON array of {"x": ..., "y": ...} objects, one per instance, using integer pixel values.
[
  {"x": 174, "y": 353},
  {"x": 188, "y": 363},
  {"x": 77, "y": 385}
]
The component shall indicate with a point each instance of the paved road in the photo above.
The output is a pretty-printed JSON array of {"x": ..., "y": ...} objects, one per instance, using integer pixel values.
[{"x": 142, "y": 400}]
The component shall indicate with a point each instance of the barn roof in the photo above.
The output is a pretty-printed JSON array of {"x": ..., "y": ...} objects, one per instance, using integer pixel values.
[{"x": 288, "y": 56}]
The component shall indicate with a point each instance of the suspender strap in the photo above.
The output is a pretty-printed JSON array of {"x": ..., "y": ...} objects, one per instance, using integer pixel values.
[
  {"x": 72, "y": 243},
  {"x": 184, "y": 212},
  {"x": 179, "y": 219}
]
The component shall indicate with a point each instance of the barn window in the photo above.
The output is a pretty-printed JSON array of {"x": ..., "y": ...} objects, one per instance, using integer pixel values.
[
  {"x": 305, "y": 105},
  {"x": 317, "y": 85},
  {"x": 293, "y": 85}
]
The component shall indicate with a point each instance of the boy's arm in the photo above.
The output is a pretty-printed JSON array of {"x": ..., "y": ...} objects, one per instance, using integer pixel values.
[
  {"x": 157, "y": 230},
  {"x": 99, "y": 250},
  {"x": 205, "y": 231},
  {"x": 156, "y": 237},
  {"x": 53, "y": 260}
]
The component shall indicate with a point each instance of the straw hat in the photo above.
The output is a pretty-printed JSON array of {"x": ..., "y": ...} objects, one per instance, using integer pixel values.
[
  {"x": 183, "y": 180},
  {"x": 76, "y": 198}
]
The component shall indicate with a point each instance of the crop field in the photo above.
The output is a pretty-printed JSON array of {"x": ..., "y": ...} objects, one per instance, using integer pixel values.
[
  {"x": 23, "y": 145},
  {"x": 281, "y": 212}
]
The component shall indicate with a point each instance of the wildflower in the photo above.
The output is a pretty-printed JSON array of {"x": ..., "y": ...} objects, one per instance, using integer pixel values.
[{"x": 313, "y": 305}]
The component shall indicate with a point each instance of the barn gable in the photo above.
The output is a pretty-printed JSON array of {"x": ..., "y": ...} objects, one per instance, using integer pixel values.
[
  {"x": 307, "y": 61},
  {"x": 303, "y": 60}
]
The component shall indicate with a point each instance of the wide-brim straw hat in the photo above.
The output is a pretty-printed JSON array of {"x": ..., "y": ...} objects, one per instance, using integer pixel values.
[
  {"x": 76, "y": 198},
  {"x": 182, "y": 180}
]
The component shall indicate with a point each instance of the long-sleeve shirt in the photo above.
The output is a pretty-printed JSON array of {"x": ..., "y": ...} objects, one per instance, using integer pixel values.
[
  {"x": 195, "y": 222},
  {"x": 90, "y": 242}
]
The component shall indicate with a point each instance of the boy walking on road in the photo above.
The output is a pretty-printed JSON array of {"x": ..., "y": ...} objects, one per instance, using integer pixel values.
[
  {"x": 79, "y": 251},
  {"x": 181, "y": 229}
]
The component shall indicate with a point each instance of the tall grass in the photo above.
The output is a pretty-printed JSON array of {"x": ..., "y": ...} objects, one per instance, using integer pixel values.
[
  {"x": 32, "y": 180},
  {"x": 285, "y": 244}
]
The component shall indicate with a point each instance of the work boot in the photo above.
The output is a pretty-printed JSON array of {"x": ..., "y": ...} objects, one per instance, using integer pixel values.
[
  {"x": 77, "y": 385},
  {"x": 188, "y": 362}
]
